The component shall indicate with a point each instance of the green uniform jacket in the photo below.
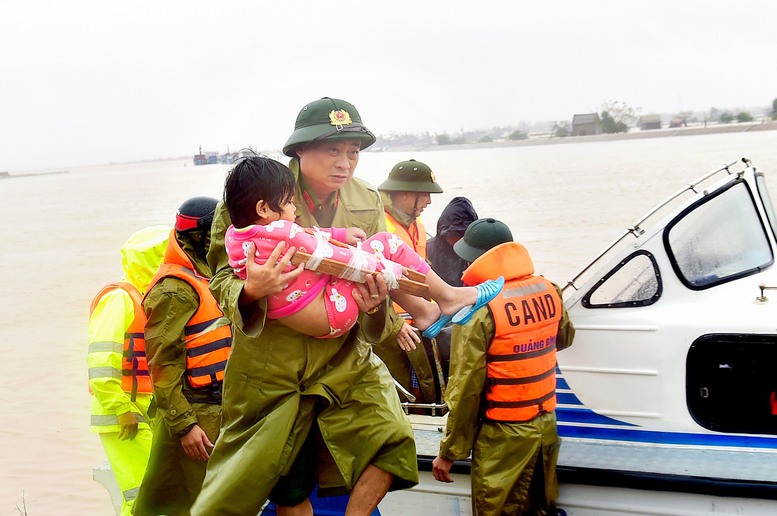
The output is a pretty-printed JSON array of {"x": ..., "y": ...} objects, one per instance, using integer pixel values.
[
  {"x": 503, "y": 454},
  {"x": 278, "y": 383},
  {"x": 396, "y": 359},
  {"x": 172, "y": 479}
]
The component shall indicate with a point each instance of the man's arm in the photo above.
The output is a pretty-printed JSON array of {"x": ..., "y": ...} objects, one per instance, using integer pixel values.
[
  {"x": 242, "y": 301},
  {"x": 566, "y": 330},
  {"x": 107, "y": 326},
  {"x": 169, "y": 305},
  {"x": 466, "y": 384}
]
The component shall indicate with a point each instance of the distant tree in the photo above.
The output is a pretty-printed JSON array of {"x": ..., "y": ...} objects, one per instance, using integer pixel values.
[
  {"x": 610, "y": 125},
  {"x": 616, "y": 117},
  {"x": 560, "y": 129},
  {"x": 774, "y": 109},
  {"x": 459, "y": 140},
  {"x": 744, "y": 116},
  {"x": 726, "y": 117},
  {"x": 485, "y": 139},
  {"x": 517, "y": 135},
  {"x": 443, "y": 139}
]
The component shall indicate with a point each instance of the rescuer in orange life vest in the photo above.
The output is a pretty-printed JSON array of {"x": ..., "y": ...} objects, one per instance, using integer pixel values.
[
  {"x": 188, "y": 341},
  {"x": 118, "y": 375},
  {"x": 501, "y": 393},
  {"x": 405, "y": 194}
]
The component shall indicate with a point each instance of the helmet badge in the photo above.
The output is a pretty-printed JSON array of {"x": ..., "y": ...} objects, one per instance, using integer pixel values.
[{"x": 339, "y": 118}]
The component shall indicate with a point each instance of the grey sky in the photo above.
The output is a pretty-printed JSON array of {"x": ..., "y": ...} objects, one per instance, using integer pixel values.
[{"x": 91, "y": 82}]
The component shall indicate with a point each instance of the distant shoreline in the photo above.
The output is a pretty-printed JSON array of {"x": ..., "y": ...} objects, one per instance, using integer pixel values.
[
  {"x": 8, "y": 175},
  {"x": 741, "y": 127}
]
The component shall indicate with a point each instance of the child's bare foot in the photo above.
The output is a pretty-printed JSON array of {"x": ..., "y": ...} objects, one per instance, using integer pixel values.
[{"x": 427, "y": 317}]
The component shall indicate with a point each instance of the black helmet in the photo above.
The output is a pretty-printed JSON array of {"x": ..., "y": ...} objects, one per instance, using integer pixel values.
[
  {"x": 480, "y": 236},
  {"x": 328, "y": 119},
  {"x": 195, "y": 213},
  {"x": 410, "y": 176}
]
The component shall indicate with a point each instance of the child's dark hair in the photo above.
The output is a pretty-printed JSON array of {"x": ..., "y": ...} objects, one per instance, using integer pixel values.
[{"x": 254, "y": 178}]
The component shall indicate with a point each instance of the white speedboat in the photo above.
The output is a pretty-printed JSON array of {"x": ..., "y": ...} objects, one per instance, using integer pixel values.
[{"x": 667, "y": 400}]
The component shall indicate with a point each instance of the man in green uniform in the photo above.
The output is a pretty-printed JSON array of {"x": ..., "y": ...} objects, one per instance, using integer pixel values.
[
  {"x": 285, "y": 392},
  {"x": 405, "y": 194},
  {"x": 187, "y": 344},
  {"x": 502, "y": 380}
]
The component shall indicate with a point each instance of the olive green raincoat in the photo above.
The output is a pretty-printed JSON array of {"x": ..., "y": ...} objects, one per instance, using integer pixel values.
[
  {"x": 172, "y": 479},
  {"x": 279, "y": 384},
  {"x": 396, "y": 359},
  {"x": 504, "y": 455}
]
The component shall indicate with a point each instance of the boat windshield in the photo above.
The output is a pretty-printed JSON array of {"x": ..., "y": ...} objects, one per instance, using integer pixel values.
[
  {"x": 763, "y": 192},
  {"x": 719, "y": 239}
]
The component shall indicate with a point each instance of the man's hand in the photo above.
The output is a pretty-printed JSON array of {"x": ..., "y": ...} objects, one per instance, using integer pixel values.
[
  {"x": 128, "y": 426},
  {"x": 354, "y": 235},
  {"x": 196, "y": 443},
  {"x": 441, "y": 469},
  {"x": 407, "y": 338},
  {"x": 371, "y": 293},
  {"x": 269, "y": 278}
]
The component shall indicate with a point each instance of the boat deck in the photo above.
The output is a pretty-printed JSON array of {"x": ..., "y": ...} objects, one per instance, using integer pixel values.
[{"x": 725, "y": 472}]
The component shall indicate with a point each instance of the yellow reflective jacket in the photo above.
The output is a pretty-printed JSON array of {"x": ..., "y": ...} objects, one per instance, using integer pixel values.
[{"x": 141, "y": 255}]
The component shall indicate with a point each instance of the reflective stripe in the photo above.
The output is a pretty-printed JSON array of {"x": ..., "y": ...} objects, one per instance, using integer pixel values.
[
  {"x": 200, "y": 327},
  {"x": 104, "y": 372},
  {"x": 130, "y": 494},
  {"x": 524, "y": 291},
  {"x": 106, "y": 346},
  {"x": 112, "y": 419}
]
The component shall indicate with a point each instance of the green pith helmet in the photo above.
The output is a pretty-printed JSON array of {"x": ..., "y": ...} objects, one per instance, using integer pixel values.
[
  {"x": 328, "y": 119},
  {"x": 480, "y": 236},
  {"x": 410, "y": 176}
]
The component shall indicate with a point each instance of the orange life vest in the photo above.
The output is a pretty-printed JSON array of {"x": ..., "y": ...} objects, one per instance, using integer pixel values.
[
  {"x": 521, "y": 360},
  {"x": 134, "y": 368},
  {"x": 207, "y": 349},
  {"x": 414, "y": 236}
]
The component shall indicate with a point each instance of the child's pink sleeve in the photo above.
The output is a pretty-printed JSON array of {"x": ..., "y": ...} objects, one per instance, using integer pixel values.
[{"x": 339, "y": 234}]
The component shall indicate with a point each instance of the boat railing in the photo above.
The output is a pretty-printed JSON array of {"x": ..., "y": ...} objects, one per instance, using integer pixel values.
[
  {"x": 636, "y": 230},
  {"x": 430, "y": 409}
]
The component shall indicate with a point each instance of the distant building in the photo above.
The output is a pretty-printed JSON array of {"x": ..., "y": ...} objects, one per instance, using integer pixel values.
[
  {"x": 586, "y": 124},
  {"x": 647, "y": 122}
]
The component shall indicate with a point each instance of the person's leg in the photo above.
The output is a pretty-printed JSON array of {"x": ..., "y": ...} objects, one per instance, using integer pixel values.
[
  {"x": 372, "y": 486},
  {"x": 291, "y": 494},
  {"x": 305, "y": 508},
  {"x": 128, "y": 461},
  {"x": 449, "y": 299}
]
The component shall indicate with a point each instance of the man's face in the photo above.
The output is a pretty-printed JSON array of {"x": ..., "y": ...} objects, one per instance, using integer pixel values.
[
  {"x": 328, "y": 165},
  {"x": 406, "y": 202}
]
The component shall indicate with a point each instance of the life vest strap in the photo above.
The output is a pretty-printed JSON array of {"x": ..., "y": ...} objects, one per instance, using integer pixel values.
[
  {"x": 207, "y": 348},
  {"x": 522, "y": 404},
  {"x": 522, "y": 381},
  {"x": 521, "y": 356}
]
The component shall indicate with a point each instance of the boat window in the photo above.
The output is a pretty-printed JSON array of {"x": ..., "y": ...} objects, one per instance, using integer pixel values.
[
  {"x": 634, "y": 282},
  {"x": 718, "y": 239},
  {"x": 763, "y": 192},
  {"x": 732, "y": 383}
]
